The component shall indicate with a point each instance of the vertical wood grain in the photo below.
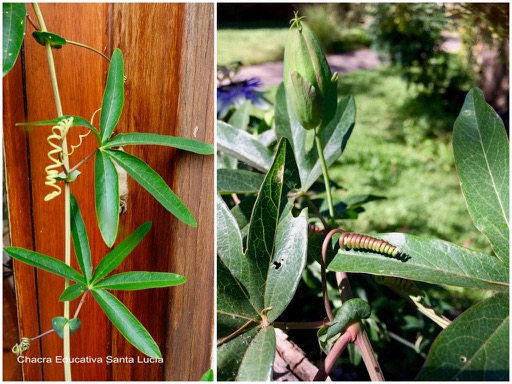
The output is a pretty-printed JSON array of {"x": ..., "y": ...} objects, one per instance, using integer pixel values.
[
  {"x": 169, "y": 90},
  {"x": 156, "y": 45},
  {"x": 196, "y": 117},
  {"x": 19, "y": 196}
]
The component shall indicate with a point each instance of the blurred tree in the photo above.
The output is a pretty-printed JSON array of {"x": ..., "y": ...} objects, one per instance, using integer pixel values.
[{"x": 484, "y": 31}]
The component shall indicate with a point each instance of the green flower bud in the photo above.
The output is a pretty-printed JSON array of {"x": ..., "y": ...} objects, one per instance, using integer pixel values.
[{"x": 308, "y": 81}]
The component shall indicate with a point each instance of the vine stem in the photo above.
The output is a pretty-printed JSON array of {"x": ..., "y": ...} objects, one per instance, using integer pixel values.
[
  {"x": 89, "y": 48},
  {"x": 327, "y": 180},
  {"x": 67, "y": 193}
]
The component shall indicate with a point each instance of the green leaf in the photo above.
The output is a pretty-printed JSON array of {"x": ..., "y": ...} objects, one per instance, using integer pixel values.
[
  {"x": 333, "y": 137},
  {"x": 208, "y": 376},
  {"x": 113, "y": 98},
  {"x": 351, "y": 311},
  {"x": 46, "y": 263},
  {"x": 53, "y": 39},
  {"x": 154, "y": 184},
  {"x": 482, "y": 156},
  {"x": 70, "y": 177},
  {"x": 258, "y": 359},
  {"x": 106, "y": 192},
  {"x": 115, "y": 257},
  {"x": 13, "y": 30},
  {"x": 238, "y": 181},
  {"x": 58, "y": 324},
  {"x": 475, "y": 347},
  {"x": 241, "y": 117},
  {"x": 248, "y": 357},
  {"x": 243, "y": 146},
  {"x": 77, "y": 122},
  {"x": 230, "y": 355},
  {"x": 429, "y": 260},
  {"x": 72, "y": 292},
  {"x": 288, "y": 263},
  {"x": 132, "y": 281},
  {"x": 80, "y": 240},
  {"x": 155, "y": 139},
  {"x": 127, "y": 323},
  {"x": 234, "y": 310}
]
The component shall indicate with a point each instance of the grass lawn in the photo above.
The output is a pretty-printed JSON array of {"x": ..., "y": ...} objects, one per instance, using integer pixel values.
[{"x": 250, "y": 46}]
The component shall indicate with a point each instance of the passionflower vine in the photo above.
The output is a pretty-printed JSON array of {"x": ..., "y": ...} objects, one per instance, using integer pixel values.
[{"x": 308, "y": 81}]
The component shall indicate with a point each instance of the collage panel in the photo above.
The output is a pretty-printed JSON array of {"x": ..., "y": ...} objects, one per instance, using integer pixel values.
[
  {"x": 363, "y": 191},
  {"x": 108, "y": 240}
]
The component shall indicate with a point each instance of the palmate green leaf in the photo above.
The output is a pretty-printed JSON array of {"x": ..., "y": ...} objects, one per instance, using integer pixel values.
[
  {"x": 106, "y": 196},
  {"x": 248, "y": 357},
  {"x": 154, "y": 184},
  {"x": 46, "y": 263},
  {"x": 127, "y": 323},
  {"x": 155, "y": 139},
  {"x": 113, "y": 98},
  {"x": 116, "y": 256},
  {"x": 481, "y": 152},
  {"x": 429, "y": 260},
  {"x": 133, "y": 281},
  {"x": 243, "y": 146},
  {"x": 269, "y": 274},
  {"x": 238, "y": 181},
  {"x": 334, "y": 136},
  {"x": 72, "y": 292},
  {"x": 77, "y": 122},
  {"x": 262, "y": 281},
  {"x": 475, "y": 347},
  {"x": 80, "y": 240},
  {"x": 13, "y": 30}
]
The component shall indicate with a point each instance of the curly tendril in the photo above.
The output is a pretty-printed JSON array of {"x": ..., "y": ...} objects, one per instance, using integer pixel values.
[
  {"x": 55, "y": 155},
  {"x": 18, "y": 349}
]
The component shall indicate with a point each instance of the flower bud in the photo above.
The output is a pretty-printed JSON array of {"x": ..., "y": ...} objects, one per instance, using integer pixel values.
[{"x": 309, "y": 84}]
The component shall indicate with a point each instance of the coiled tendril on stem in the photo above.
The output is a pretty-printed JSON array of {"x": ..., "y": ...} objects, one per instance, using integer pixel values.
[
  {"x": 18, "y": 349},
  {"x": 59, "y": 132}
]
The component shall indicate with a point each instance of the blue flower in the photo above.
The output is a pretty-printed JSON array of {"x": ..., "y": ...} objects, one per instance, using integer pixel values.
[{"x": 236, "y": 92}]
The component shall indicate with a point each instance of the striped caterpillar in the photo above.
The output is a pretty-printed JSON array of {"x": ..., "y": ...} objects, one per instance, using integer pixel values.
[
  {"x": 400, "y": 284},
  {"x": 363, "y": 242}
]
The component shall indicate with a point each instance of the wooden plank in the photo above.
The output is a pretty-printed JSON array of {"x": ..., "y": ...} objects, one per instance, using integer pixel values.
[
  {"x": 193, "y": 173},
  {"x": 17, "y": 175},
  {"x": 156, "y": 43}
]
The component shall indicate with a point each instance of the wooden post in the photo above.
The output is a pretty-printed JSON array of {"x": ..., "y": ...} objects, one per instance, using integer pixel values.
[{"x": 169, "y": 90}]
